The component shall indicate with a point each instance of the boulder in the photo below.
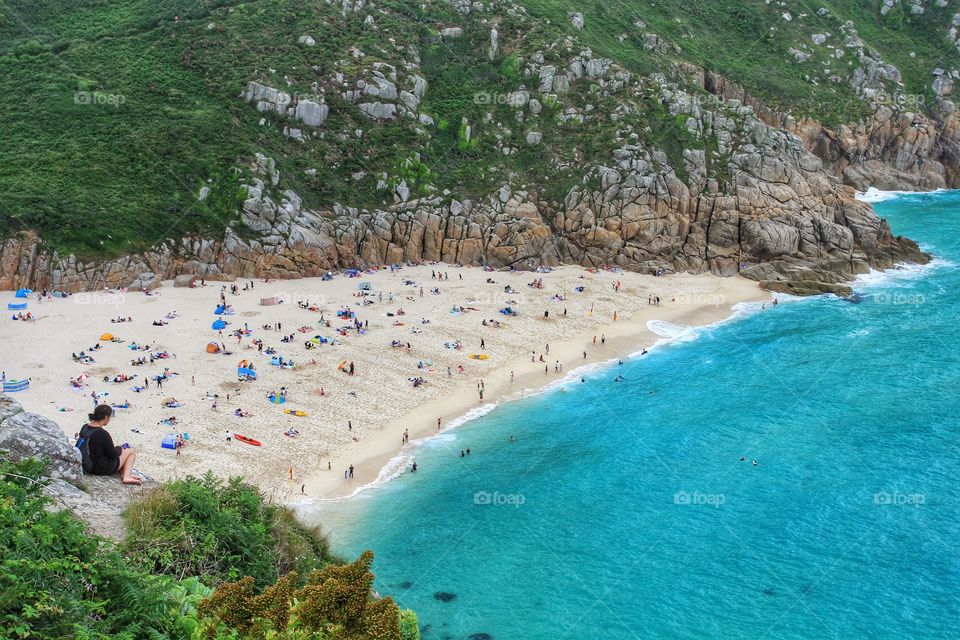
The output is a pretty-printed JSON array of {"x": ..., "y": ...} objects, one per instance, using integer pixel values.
[
  {"x": 147, "y": 280},
  {"x": 806, "y": 288},
  {"x": 184, "y": 280},
  {"x": 104, "y": 518},
  {"x": 27, "y": 435},
  {"x": 311, "y": 113}
]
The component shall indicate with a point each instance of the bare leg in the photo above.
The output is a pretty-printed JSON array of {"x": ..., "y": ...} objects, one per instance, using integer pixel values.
[{"x": 127, "y": 458}]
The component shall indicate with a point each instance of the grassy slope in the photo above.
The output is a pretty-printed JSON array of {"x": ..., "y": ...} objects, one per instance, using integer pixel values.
[{"x": 107, "y": 179}]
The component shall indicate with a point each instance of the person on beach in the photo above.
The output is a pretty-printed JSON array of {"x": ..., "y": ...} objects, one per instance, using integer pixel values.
[
  {"x": 106, "y": 459},
  {"x": 351, "y": 471}
]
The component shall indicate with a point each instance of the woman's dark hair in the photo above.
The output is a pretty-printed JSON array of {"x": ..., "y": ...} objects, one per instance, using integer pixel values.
[{"x": 102, "y": 411}]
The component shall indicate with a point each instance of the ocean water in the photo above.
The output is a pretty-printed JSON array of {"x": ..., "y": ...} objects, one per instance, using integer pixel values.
[{"x": 622, "y": 509}]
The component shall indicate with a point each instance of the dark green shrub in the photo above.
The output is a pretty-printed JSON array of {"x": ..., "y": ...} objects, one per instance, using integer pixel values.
[{"x": 220, "y": 531}]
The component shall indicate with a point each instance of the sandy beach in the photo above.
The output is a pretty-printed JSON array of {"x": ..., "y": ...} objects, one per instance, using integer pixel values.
[{"x": 358, "y": 419}]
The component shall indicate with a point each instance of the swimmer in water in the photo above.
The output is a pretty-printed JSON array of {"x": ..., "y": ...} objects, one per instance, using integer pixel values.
[{"x": 754, "y": 463}]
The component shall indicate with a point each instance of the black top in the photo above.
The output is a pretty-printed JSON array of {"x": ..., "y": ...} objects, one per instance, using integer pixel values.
[{"x": 104, "y": 455}]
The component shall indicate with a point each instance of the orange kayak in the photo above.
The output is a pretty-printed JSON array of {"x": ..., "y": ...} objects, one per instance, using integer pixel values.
[{"x": 241, "y": 438}]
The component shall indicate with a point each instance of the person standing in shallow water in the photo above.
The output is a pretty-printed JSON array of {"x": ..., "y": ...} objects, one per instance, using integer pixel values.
[{"x": 108, "y": 459}]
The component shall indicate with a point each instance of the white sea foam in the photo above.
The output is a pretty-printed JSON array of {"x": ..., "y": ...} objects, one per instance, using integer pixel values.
[
  {"x": 901, "y": 273},
  {"x": 873, "y": 195},
  {"x": 668, "y": 331},
  {"x": 672, "y": 331}
]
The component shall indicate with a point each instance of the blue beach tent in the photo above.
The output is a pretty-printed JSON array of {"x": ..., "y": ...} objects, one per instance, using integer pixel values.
[
  {"x": 218, "y": 324},
  {"x": 10, "y": 386},
  {"x": 23, "y": 293}
]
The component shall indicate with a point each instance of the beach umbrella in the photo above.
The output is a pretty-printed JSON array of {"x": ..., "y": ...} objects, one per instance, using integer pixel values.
[{"x": 218, "y": 324}]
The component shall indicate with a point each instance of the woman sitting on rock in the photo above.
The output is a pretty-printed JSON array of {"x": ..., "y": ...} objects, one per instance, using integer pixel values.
[{"x": 108, "y": 459}]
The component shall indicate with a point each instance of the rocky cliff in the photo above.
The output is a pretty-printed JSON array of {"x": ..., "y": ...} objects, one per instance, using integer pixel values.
[
  {"x": 495, "y": 134},
  {"x": 97, "y": 500},
  {"x": 782, "y": 213}
]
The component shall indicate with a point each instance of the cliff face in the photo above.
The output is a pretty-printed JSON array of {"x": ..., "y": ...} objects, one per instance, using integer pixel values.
[
  {"x": 784, "y": 218},
  {"x": 781, "y": 212},
  {"x": 491, "y": 133},
  {"x": 900, "y": 151}
]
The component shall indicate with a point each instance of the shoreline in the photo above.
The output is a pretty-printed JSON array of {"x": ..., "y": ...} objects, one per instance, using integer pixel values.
[
  {"x": 408, "y": 333},
  {"x": 382, "y": 457}
]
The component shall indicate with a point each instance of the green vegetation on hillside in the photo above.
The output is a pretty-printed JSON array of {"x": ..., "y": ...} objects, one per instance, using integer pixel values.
[
  {"x": 118, "y": 112},
  {"x": 58, "y": 581},
  {"x": 220, "y": 531}
]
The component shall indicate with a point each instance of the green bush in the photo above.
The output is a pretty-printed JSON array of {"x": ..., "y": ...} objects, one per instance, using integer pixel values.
[
  {"x": 220, "y": 531},
  {"x": 334, "y": 602},
  {"x": 57, "y": 580}
]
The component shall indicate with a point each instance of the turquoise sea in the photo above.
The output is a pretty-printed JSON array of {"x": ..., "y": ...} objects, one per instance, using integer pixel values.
[{"x": 622, "y": 510}]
